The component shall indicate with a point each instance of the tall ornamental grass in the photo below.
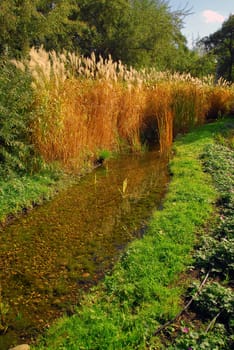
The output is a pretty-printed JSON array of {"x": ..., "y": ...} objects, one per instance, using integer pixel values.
[{"x": 84, "y": 105}]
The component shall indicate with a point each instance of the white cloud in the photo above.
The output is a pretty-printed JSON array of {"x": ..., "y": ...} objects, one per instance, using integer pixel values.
[{"x": 212, "y": 17}]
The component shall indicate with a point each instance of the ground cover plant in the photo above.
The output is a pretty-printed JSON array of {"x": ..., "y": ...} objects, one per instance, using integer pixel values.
[
  {"x": 214, "y": 305},
  {"x": 143, "y": 291}
]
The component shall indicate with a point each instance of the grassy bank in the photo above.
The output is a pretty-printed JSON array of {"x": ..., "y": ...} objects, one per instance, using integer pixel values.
[
  {"x": 22, "y": 193},
  {"x": 210, "y": 325},
  {"x": 144, "y": 290}
]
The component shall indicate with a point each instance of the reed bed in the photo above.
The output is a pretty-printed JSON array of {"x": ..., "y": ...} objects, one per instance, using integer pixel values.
[{"x": 84, "y": 105}]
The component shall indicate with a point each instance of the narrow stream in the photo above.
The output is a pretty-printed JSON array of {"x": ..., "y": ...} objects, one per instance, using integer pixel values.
[{"x": 51, "y": 256}]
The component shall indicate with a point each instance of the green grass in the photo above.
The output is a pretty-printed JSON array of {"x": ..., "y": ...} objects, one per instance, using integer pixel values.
[
  {"x": 19, "y": 193},
  {"x": 142, "y": 292},
  {"x": 215, "y": 254}
]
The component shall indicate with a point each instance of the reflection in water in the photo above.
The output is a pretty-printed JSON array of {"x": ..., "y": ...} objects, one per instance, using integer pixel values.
[{"x": 49, "y": 257}]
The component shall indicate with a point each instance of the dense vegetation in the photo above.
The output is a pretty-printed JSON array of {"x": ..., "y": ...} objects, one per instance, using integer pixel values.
[
  {"x": 221, "y": 45},
  {"x": 136, "y": 32},
  {"x": 140, "y": 33},
  {"x": 134, "y": 300},
  {"x": 72, "y": 108},
  {"x": 214, "y": 257},
  {"x": 116, "y": 88},
  {"x": 25, "y": 179}
]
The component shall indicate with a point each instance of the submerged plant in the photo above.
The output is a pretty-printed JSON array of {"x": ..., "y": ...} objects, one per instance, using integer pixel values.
[{"x": 124, "y": 188}]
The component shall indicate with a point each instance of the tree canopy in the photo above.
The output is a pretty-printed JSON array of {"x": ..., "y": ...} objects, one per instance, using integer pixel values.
[
  {"x": 221, "y": 44},
  {"x": 137, "y": 32}
]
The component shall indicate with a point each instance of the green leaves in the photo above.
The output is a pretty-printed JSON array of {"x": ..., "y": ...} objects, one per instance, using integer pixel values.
[
  {"x": 140, "y": 33},
  {"x": 215, "y": 299},
  {"x": 221, "y": 43},
  {"x": 16, "y": 100},
  {"x": 201, "y": 340},
  {"x": 217, "y": 256}
]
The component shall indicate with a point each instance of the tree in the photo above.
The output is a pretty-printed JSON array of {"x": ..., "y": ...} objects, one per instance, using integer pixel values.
[
  {"x": 60, "y": 26},
  {"x": 18, "y": 25},
  {"x": 138, "y": 32},
  {"x": 221, "y": 44},
  {"x": 107, "y": 26},
  {"x": 27, "y": 23}
]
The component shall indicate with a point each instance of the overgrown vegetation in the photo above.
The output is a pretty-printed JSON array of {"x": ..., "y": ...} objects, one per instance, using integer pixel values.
[
  {"x": 143, "y": 291},
  {"x": 139, "y": 33},
  {"x": 82, "y": 104},
  {"x": 220, "y": 45},
  {"x": 25, "y": 179},
  {"x": 63, "y": 112},
  {"x": 71, "y": 107},
  {"x": 16, "y": 153}
]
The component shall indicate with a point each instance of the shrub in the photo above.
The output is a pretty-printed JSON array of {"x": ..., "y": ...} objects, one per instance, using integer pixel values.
[{"x": 16, "y": 105}]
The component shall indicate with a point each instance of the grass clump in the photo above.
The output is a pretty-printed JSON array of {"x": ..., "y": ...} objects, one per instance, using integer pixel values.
[
  {"x": 143, "y": 290},
  {"x": 22, "y": 193}
]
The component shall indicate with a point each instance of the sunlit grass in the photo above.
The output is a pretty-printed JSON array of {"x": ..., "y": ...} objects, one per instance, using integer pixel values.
[{"x": 21, "y": 193}]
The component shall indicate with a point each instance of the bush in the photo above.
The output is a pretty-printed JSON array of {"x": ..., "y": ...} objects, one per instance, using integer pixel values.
[{"x": 16, "y": 105}]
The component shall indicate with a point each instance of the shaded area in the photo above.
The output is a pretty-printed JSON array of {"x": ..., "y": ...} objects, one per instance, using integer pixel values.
[
  {"x": 50, "y": 257},
  {"x": 149, "y": 133}
]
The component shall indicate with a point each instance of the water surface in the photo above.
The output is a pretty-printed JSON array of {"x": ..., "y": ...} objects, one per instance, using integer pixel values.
[{"x": 51, "y": 256}]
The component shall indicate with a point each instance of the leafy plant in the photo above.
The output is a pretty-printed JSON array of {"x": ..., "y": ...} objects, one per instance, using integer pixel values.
[
  {"x": 216, "y": 256},
  {"x": 16, "y": 99},
  {"x": 192, "y": 339},
  {"x": 215, "y": 299},
  {"x": 103, "y": 155}
]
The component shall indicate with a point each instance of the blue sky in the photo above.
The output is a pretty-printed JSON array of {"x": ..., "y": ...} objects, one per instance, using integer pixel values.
[{"x": 207, "y": 17}]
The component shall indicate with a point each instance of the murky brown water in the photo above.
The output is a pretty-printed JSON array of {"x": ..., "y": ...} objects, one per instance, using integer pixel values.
[{"x": 55, "y": 253}]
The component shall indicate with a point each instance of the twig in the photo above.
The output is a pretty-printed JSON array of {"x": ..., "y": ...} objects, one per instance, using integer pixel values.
[
  {"x": 212, "y": 323},
  {"x": 186, "y": 306}
]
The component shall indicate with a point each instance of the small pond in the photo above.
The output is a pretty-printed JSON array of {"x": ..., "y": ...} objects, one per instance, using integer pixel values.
[{"x": 54, "y": 254}]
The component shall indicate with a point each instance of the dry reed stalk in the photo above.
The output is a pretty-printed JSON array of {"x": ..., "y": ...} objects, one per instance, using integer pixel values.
[
  {"x": 189, "y": 105},
  {"x": 102, "y": 109},
  {"x": 130, "y": 114},
  {"x": 158, "y": 106},
  {"x": 220, "y": 99},
  {"x": 85, "y": 104}
]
